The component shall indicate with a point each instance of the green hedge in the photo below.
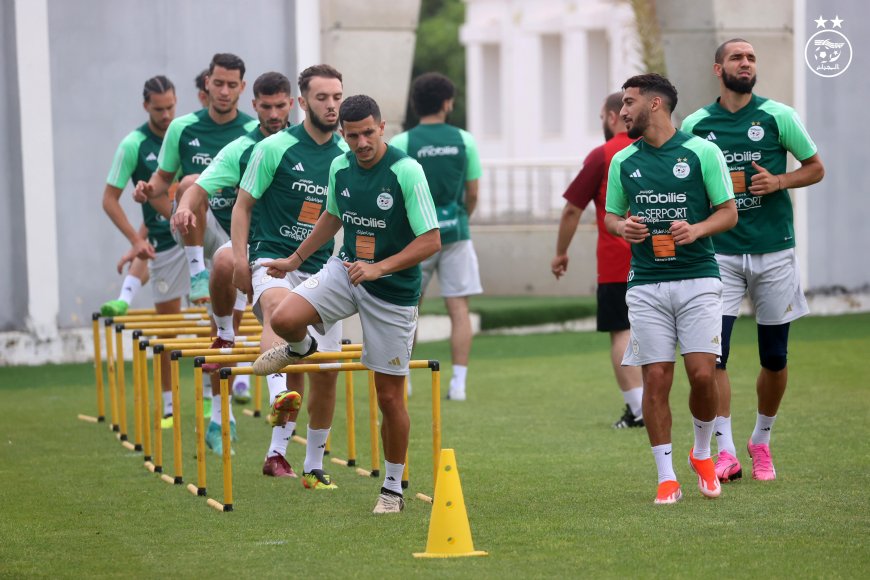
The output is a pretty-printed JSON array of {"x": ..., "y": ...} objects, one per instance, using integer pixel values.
[{"x": 508, "y": 311}]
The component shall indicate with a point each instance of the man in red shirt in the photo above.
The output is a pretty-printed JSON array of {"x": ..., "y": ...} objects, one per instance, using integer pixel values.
[{"x": 613, "y": 256}]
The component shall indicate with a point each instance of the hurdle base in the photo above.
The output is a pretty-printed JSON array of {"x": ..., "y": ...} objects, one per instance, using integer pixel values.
[
  {"x": 166, "y": 478},
  {"x": 248, "y": 412},
  {"x": 213, "y": 503},
  {"x": 367, "y": 473},
  {"x": 158, "y": 469},
  {"x": 116, "y": 428},
  {"x": 101, "y": 419},
  {"x": 178, "y": 480},
  {"x": 300, "y": 440},
  {"x": 351, "y": 462},
  {"x": 197, "y": 491},
  {"x": 123, "y": 437},
  {"x": 424, "y": 497},
  {"x": 137, "y": 447},
  {"x": 128, "y": 445},
  {"x": 88, "y": 418},
  {"x": 257, "y": 414},
  {"x": 150, "y": 467},
  {"x": 338, "y": 461}
]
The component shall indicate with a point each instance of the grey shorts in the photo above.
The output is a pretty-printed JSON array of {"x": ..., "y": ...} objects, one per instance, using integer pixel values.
[
  {"x": 215, "y": 236},
  {"x": 388, "y": 329},
  {"x": 772, "y": 282},
  {"x": 328, "y": 341},
  {"x": 458, "y": 271},
  {"x": 665, "y": 314},
  {"x": 169, "y": 275}
]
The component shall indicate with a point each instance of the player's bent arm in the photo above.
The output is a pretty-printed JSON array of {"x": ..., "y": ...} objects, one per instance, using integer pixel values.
[
  {"x": 241, "y": 225},
  {"x": 423, "y": 246},
  {"x": 112, "y": 207},
  {"x": 471, "y": 190},
  {"x": 160, "y": 182},
  {"x": 194, "y": 198},
  {"x": 811, "y": 171}
]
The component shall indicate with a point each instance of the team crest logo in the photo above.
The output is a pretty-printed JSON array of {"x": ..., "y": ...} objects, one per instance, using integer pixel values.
[
  {"x": 311, "y": 283},
  {"x": 756, "y": 132},
  {"x": 162, "y": 286},
  {"x": 385, "y": 201},
  {"x": 828, "y": 52},
  {"x": 681, "y": 169}
]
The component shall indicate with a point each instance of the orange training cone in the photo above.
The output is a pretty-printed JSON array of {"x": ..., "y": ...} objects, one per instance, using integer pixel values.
[{"x": 449, "y": 532}]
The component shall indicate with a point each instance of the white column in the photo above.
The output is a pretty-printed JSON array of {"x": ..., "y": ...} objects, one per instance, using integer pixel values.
[
  {"x": 307, "y": 43},
  {"x": 802, "y": 230},
  {"x": 37, "y": 160}
]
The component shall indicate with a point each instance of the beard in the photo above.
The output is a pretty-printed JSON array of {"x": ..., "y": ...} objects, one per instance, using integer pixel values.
[
  {"x": 608, "y": 134},
  {"x": 738, "y": 85},
  {"x": 320, "y": 124},
  {"x": 641, "y": 122}
]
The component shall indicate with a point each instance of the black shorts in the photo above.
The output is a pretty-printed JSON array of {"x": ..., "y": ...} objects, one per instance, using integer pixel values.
[{"x": 612, "y": 309}]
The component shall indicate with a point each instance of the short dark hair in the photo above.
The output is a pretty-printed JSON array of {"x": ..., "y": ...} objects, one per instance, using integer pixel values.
[
  {"x": 272, "y": 83},
  {"x": 719, "y": 57},
  {"x": 429, "y": 91},
  {"x": 156, "y": 86},
  {"x": 318, "y": 70},
  {"x": 200, "y": 80},
  {"x": 654, "y": 83},
  {"x": 357, "y": 108},
  {"x": 613, "y": 103},
  {"x": 228, "y": 61}
]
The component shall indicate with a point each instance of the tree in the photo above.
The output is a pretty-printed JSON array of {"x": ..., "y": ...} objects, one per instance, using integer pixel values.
[{"x": 438, "y": 50}]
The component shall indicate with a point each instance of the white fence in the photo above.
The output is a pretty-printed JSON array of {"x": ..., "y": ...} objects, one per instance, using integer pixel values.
[{"x": 523, "y": 191}]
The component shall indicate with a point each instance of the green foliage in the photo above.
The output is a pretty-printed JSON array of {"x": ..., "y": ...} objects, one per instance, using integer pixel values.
[
  {"x": 438, "y": 50},
  {"x": 551, "y": 489}
]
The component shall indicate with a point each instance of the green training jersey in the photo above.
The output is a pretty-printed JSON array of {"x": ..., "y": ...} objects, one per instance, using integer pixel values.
[
  {"x": 135, "y": 160},
  {"x": 762, "y": 131},
  {"x": 288, "y": 176},
  {"x": 449, "y": 159},
  {"x": 383, "y": 209},
  {"x": 191, "y": 144},
  {"x": 679, "y": 181},
  {"x": 223, "y": 175}
]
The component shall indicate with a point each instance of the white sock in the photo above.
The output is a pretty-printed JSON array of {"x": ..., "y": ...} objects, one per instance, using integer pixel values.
[
  {"x": 129, "y": 288},
  {"x": 277, "y": 383},
  {"x": 206, "y": 390},
  {"x": 393, "y": 477},
  {"x": 664, "y": 462},
  {"x": 458, "y": 379},
  {"x": 634, "y": 399},
  {"x": 315, "y": 449},
  {"x": 216, "y": 410},
  {"x": 761, "y": 433},
  {"x": 195, "y": 259},
  {"x": 703, "y": 435},
  {"x": 302, "y": 346},
  {"x": 280, "y": 437},
  {"x": 243, "y": 382},
  {"x": 167, "y": 403},
  {"x": 724, "y": 439},
  {"x": 225, "y": 327}
]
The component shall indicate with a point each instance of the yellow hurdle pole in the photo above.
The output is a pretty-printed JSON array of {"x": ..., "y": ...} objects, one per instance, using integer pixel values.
[
  {"x": 351, "y": 421},
  {"x": 373, "y": 425},
  {"x": 98, "y": 369},
  {"x": 110, "y": 372},
  {"x": 258, "y": 395},
  {"x": 176, "y": 422},
  {"x": 225, "y": 436},
  {"x": 122, "y": 382},
  {"x": 435, "y": 367},
  {"x": 146, "y": 414},
  {"x": 138, "y": 353},
  {"x": 171, "y": 344},
  {"x": 158, "y": 411},
  {"x": 406, "y": 472},
  {"x": 153, "y": 311},
  {"x": 200, "y": 432}
]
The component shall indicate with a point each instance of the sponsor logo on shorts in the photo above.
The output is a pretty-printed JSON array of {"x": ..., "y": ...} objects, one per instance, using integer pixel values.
[
  {"x": 395, "y": 362},
  {"x": 681, "y": 169},
  {"x": 162, "y": 286},
  {"x": 715, "y": 340},
  {"x": 756, "y": 131},
  {"x": 635, "y": 347},
  {"x": 385, "y": 201}
]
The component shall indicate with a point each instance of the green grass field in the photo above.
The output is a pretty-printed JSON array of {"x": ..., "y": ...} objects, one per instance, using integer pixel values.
[{"x": 551, "y": 489}]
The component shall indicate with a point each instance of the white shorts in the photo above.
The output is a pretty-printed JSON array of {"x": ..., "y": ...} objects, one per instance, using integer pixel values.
[
  {"x": 772, "y": 281},
  {"x": 458, "y": 271},
  {"x": 170, "y": 278},
  {"x": 215, "y": 236},
  {"x": 664, "y": 314},
  {"x": 388, "y": 329},
  {"x": 328, "y": 341}
]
